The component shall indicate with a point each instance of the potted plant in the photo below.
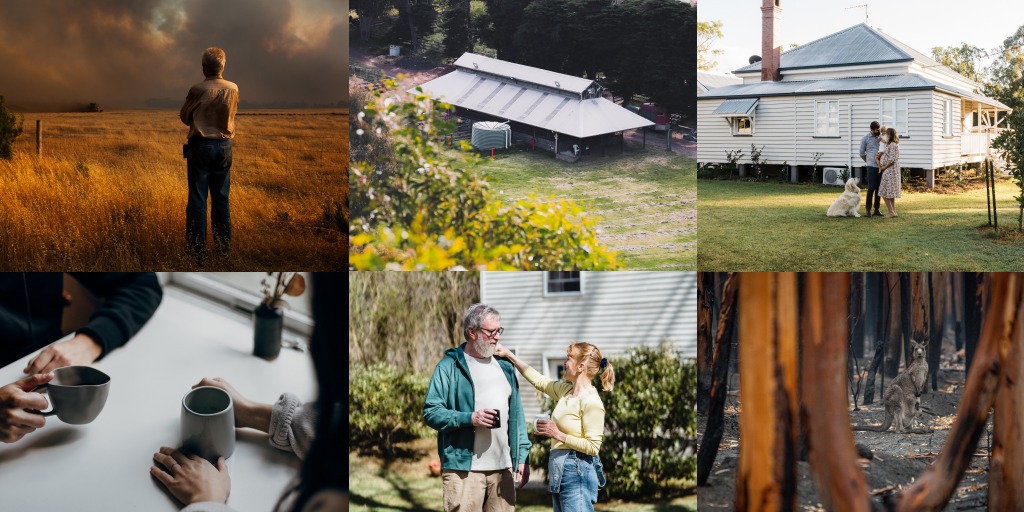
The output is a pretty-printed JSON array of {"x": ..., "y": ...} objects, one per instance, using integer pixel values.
[{"x": 268, "y": 317}]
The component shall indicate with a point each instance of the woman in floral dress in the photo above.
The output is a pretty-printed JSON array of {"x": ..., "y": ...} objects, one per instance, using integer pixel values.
[{"x": 890, "y": 168}]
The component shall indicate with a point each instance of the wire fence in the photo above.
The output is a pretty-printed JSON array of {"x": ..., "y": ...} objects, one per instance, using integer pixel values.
[{"x": 274, "y": 151}]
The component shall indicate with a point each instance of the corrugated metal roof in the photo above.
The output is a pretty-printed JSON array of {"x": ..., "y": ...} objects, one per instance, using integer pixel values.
[
  {"x": 511, "y": 70},
  {"x": 905, "y": 82},
  {"x": 859, "y": 44},
  {"x": 707, "y": 80},
  {"x": 736, "y": 107},
  {"x": 524, "y": 103}
]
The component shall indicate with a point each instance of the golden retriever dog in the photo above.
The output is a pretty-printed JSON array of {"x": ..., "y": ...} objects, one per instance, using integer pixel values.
[{"x": 847, "y": 202}]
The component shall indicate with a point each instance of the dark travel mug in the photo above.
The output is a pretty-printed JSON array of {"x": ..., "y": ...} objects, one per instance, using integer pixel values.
[{"x": 497, "y": 418}]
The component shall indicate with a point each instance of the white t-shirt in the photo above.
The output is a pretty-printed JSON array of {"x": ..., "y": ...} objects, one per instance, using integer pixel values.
[{"x": 491, "y": 391}]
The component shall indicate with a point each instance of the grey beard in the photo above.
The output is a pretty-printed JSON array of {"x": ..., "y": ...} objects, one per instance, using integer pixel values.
[{"x": 483, "y": 347}]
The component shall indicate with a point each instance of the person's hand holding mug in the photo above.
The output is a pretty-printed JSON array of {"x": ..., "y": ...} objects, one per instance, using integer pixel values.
[
  {"x": 15, "y": 398},
  {"x": 548, "y": 428},
  {"x": 248, "y": 414},
  {"x": 81, "y": 350},
  {"x": 484, "y": 418},
  {"x": 191, "y": 478}
]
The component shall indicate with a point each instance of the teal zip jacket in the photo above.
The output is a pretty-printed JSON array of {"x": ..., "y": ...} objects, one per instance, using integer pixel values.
[{"x": 449, "y": 408}]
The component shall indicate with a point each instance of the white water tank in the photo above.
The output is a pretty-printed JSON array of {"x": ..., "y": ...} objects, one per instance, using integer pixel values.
[{"x": 489, "y": 134}]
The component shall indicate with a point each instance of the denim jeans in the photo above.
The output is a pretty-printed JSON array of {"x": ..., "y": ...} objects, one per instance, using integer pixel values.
[
  {"x": 874, "y": 181},
  {"x": 209, "y": 168},
  {"x": 573, "y": 480}
]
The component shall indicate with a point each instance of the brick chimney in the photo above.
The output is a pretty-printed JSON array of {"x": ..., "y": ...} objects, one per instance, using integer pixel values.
[{"x": 771, "y": 11}]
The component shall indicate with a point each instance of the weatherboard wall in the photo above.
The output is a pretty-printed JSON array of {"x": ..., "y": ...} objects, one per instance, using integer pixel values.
[
  {"x": 616, "y": 311},
  {"x": 784, "y": 125}
]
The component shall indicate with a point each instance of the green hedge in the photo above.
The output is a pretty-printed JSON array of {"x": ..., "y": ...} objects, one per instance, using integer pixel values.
[
  {"x": 649, "y": 449},
  {"x": 385, "y": 407}
]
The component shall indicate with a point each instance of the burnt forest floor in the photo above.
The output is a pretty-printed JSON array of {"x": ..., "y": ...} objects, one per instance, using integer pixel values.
[{"x": 897, "y": 459}]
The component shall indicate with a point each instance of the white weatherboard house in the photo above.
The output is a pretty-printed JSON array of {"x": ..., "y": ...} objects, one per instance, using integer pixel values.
[
  {"x": 707, "y": 81},
  {"x": 821, "y": 97},
  {"x": 542, "y": 312}
]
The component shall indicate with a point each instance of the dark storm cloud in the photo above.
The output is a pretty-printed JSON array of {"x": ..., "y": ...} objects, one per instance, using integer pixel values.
[{"x": 126, "y": 52}]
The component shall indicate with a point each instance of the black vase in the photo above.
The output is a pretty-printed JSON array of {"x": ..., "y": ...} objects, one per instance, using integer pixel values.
[{"x": 267, "y": 325}]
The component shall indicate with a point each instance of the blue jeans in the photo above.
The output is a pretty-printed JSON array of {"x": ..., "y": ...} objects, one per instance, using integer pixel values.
[
  {"x": 573, "y": 480},
  {"x": 209, "y": 168}
]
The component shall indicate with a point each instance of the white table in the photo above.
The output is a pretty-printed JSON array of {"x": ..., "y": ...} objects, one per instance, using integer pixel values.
[{"x": 105, "y": 465}]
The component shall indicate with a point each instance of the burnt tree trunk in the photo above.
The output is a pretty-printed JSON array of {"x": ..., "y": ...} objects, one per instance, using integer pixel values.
[
  {"x": 885, "y": 313},
  {"x": 824, "y": 416},
  {"x": 766, "y": 479},
  {"x": 939, "y": 281},
  {"x": 719, "y": 383},
  {"x": 1006, "y": 471},
  {"x": 904, "y": 331},
  {"x": 705, "y": 305},
  {"x": 919, "y": 313},
  {"x": 956, "y": 304},
  {"x": 973, "y": 292},
  {"x": 936, "y": 485}
]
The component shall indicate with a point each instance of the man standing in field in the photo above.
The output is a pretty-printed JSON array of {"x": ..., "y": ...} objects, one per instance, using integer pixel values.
[{"x": 209, "y": 112}]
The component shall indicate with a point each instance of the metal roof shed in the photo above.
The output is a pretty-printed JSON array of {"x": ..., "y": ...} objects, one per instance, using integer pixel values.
[{"x": 539, "y": 98}]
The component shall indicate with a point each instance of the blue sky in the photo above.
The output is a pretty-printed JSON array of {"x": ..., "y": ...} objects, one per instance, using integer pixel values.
[{"x": 921, "y": 24}]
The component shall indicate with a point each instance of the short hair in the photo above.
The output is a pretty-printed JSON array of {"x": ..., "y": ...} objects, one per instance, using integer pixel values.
[
  {"x": 474, "y": 317},
  {"x": 213, "y": 61},
  {"x": 875, "y": 125}
]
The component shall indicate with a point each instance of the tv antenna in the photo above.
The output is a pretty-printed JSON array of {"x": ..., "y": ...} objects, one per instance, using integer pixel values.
[{"x": 865, "y": 6}]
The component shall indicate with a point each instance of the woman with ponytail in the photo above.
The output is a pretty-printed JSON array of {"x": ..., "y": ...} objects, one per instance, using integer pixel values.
[{"x": 576, "y": 425}]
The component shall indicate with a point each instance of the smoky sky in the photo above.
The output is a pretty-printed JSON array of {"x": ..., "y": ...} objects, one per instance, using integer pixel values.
[{"x": 127, "y": 53}]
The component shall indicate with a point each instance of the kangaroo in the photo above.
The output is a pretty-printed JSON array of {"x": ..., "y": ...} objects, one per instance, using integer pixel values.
[{"x": 903, "y": 396}]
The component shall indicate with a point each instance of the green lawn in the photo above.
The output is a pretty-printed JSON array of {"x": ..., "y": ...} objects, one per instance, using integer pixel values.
[
  {"x": 748, "y": 226},
  {"x": 646, "y": 198},
  {"x": 406, "y": 485}
]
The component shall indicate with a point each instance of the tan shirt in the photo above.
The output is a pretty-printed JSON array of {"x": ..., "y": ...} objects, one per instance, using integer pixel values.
[
  {"x": 581, "y": 419},
  {"x": 209, "y": 109}
]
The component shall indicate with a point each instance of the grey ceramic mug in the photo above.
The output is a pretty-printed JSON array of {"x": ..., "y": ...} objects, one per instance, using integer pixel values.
[
  {"x": 77, "y": 394},
  {"x": 208, "y": 423}
]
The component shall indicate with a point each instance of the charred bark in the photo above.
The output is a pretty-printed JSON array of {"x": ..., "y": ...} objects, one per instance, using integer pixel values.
[
  {"x": 937, "y": 314},
  {"x": 1006, "y": 471},
  {"x": 824, "y": 415},
  {"x": 705, "y": 305},
  {"x": 766, "y": 479},
  {"x": 719, "y": 383}
]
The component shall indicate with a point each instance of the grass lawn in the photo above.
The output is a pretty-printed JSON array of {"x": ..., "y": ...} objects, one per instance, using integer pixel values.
[
  {"x": 646, "y": 198},
  {"x": 406, "y": 485},
  {"x": 747, "y": 226}
]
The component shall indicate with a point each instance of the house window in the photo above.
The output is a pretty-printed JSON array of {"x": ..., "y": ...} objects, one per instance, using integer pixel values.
[
  {"x": 947, "y": 118},
  {"x": 826, "y": 118},
  {"x": 240, "y": 291},
  {"x": 554, "y": 365},
  {"x": 894, "y": 114},
  {"x": 742, "y": 126},
  {"x": 563, "y": 283}
]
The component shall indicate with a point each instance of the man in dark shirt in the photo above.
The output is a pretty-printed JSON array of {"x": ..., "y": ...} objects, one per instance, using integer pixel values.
[
  {"x": 209, "y": 112},
  {"x": 32, "y": 308},
  {"x": 868, "y": 149}
]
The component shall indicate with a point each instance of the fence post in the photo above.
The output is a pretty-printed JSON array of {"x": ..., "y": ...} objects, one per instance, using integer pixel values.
[
  {"x": 995, "y": 211},
  {"x": 39, "y": 137}
]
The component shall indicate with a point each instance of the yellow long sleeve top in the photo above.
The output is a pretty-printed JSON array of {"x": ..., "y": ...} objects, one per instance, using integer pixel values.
[{"x": 580, "y": 418}]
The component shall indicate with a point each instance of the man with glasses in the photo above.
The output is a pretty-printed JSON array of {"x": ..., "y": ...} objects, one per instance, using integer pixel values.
[{"x": 473, "y": 403}]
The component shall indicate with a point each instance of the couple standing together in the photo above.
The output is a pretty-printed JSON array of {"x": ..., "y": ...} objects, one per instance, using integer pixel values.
[
  {"x": 473, "y": 402},
  {"x": 880, "y": 149}
]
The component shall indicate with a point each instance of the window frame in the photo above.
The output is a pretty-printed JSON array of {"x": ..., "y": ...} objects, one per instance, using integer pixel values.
[
  {"x": 734, "y": 126},
  {"x": 549, "y": 357},
  {"x": 947, "y": 117},
  {"x": 904, "y": 131},
  {"x": 831, "y": 131},
  {"x": 549, "y": 294},
  {"x": 235, "y": 299}
]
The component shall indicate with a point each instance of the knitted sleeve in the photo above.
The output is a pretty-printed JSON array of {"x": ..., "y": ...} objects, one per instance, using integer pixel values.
[
  {"x": 592, "y": 413},
  {"x": 292, "y": 425}
]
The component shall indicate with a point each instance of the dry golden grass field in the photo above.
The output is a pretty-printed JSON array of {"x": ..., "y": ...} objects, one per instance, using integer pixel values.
[{"x": 109, "y": 193}]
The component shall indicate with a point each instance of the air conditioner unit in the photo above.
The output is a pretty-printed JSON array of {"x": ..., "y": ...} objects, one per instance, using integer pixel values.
[{"x": 833, "y": 176}]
